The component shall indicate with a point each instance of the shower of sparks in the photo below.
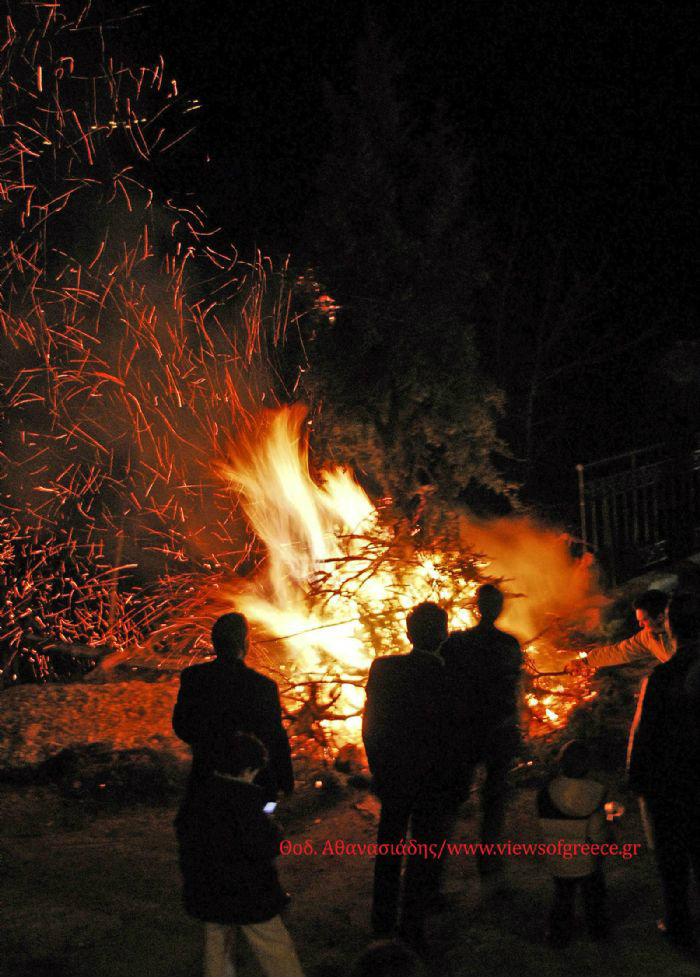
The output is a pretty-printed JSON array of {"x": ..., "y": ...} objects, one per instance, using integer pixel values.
[
  {"x": 132, "y": 344},
  {"x": 140, "y": 492}
]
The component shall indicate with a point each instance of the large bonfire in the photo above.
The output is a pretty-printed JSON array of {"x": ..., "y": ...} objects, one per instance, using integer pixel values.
[
  {"x": 146, "y": 487},
  {"x": 339, "y": 575}
]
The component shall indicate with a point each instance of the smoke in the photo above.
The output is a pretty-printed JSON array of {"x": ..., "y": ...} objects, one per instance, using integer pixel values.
[{"x": 552, "y": 590}]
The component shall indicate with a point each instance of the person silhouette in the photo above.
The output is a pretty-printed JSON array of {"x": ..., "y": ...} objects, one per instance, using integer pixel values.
[
  {"x": 405, "y": 735},
  {"x": 222, "y": 697},
  {"x": 483, "y": 670}
]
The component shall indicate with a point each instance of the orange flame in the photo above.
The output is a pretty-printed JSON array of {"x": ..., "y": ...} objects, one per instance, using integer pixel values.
[{"x": 311, "y": 528}]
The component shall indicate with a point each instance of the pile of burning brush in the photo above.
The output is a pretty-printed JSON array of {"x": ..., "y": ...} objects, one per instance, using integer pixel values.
[{"x": 145, "y": 489}]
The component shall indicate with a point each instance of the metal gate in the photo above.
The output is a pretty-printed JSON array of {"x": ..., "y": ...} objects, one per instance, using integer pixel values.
[{"x": 640, "y": 508}]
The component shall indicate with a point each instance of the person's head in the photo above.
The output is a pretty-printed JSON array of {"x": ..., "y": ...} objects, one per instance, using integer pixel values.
[
  {"x": 489, "y": 600},
  {"x": 238, "y": 755},
  {"x": 426, "y": 626},
  {"x": 684, "y": 616},
  {"x": 229, "y": 636},
  {"x": 650, "y": 610},
  {"x": 574, "y": 759},
  {"x": 388, "y": 958}
]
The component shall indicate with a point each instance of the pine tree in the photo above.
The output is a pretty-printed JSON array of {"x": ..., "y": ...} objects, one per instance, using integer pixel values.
[{"x": 394, "y": 370}]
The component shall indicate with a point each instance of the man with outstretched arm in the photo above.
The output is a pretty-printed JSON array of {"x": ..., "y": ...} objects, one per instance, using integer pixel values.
[{"x": 651, "y": 645}]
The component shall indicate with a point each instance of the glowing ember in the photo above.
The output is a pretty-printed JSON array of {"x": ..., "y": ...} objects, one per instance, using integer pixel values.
[
  {"x": 134, "y": 366},
  {"x": 130, "y": 342}
]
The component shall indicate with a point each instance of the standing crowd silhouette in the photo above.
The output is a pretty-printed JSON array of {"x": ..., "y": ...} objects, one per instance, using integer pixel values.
[{"x": 433, "y": 717}]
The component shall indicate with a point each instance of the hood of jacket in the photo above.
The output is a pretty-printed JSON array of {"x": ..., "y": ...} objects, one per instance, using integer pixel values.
[{"x": 576, "y": 797}]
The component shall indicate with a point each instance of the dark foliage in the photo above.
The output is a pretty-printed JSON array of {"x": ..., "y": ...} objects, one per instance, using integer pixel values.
[
  {"x": 391, "y": 358},
  {"x": 604, "y": 722}
]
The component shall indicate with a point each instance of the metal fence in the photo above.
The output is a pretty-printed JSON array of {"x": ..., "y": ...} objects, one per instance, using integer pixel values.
[{"x": 640, "y": 509}]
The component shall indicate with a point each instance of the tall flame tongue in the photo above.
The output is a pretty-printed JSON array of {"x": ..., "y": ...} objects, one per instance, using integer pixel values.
[
  {"x": 334, "y": 600},
  {"x": 301, "y": 524}
]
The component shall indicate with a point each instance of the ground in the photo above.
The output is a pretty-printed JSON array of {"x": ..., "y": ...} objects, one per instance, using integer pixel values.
[{"x": 97, "y": 894}]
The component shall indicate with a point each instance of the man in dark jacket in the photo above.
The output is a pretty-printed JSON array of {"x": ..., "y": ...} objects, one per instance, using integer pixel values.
[
  {"x": 664, "y": 764},
  {"x": 227, "y": 847},
  {"x": 482, "y": 668},
  {"x": 224, "y": 696},
  {"x": 404, "y": 733}
]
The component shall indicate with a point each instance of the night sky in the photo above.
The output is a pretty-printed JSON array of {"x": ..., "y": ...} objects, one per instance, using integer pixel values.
[{"x": 575, "y": 119}]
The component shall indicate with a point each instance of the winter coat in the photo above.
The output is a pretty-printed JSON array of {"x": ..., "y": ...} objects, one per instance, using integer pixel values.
[
  {"x": 645, "y": 645},
  {"x": 483, "y": 669},
  {"x": 571, "y": 810},
  {"x": 404, "y": 726},
  {"x": 223, "y": 697},
  {"x": 227, "y": 846},
  {"x": 664, "y": 750}
]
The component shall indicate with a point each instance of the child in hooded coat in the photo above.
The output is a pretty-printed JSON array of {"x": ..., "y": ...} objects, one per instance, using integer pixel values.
[
  {"x": 571, "y": 809},
  {"x": 227, "y": 847}
]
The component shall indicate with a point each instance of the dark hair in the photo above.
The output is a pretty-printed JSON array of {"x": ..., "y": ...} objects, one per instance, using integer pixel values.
[
  {"x": 388, "y": 958},
  {"x": 652, "y": 601},
  {"x": 684, "y": 615},
  {"x": 489, "y": 600},
  {"x": 234, "y": 754},
  {"x": 574, "y": 759},
  {"x": 426, "y": 625},
  {"x": 229, "y": 634}
]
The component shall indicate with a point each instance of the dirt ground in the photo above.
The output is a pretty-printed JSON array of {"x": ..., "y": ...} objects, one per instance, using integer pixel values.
[{"x": 90, "y": 894}]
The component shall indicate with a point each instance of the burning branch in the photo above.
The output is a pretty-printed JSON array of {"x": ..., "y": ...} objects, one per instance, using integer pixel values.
[{"x": 145, "y": 490}]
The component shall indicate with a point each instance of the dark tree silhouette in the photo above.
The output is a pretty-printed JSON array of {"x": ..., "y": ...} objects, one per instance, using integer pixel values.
[{"x": 402, "y": 395}]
